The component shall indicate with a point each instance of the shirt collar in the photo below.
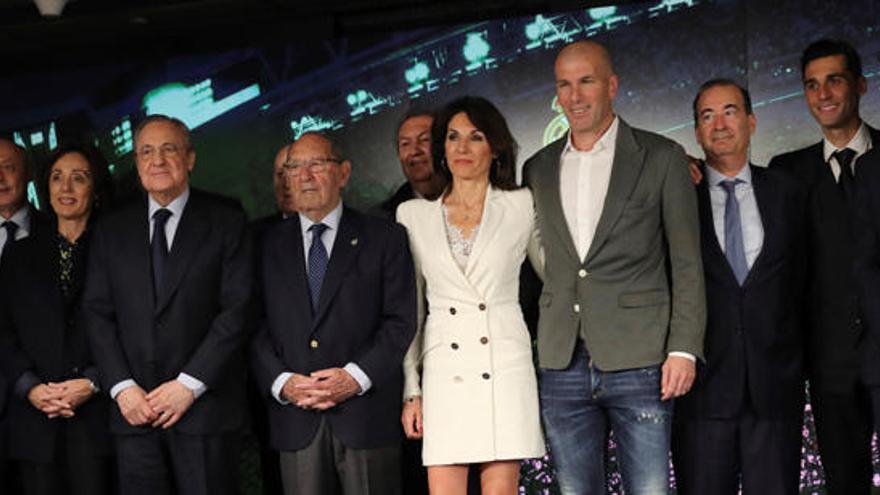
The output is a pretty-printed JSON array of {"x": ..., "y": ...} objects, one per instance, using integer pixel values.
[
  {"x": 331, "y": 220},
  {"x": 175, "y": 207},
  {"x": 860, "y": 143},
  {"x": 715, "y": 177},
  {"x": 605, "y": 142},
  {"x": 22, "y": 218}
]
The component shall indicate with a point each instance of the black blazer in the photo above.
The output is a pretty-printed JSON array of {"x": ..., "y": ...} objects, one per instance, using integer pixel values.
[
  {"x": 867, "y": 230},
  {"x": 837, "y": 353},
  {"x": 199, "y": 327},
  {"x": 39, "y": 223},
  {"x": 366, "y": 315},
  {"x": 42, "y": 340},
  {"x": 754, "y": 334}
]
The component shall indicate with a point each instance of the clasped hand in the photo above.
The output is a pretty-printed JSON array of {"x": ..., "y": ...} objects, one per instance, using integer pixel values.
[
  {"x": 321, "y": 389},
  {"x": 161, "y": 407},
  {"x": 62, "y": 398}
]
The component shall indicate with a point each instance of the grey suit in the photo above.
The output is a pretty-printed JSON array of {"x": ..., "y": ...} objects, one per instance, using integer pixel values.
[{"x": 641, "y": 292}]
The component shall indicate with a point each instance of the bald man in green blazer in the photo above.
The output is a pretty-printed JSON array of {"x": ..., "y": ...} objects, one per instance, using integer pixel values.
[{"x": 623, "y": 307}]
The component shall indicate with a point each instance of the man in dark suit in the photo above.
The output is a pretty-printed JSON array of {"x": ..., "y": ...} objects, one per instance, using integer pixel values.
[
  {"x": 165, "y": 303},
  {"x": 17, "y": 221},
  {"x": 413, "y": 142},
  {"x": 842, "y": 363},
  {"x": 742, "y": 419},
  {"x": 339, "y": 313}
]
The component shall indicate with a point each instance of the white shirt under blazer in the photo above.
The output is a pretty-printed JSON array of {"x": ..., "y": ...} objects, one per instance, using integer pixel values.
[{"x": 471, "y": 360}]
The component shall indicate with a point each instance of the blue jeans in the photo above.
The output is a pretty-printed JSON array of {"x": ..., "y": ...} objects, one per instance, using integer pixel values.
[{"x": 579, "y": 404}]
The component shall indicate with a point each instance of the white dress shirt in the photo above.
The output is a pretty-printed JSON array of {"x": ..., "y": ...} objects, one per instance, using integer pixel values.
[
  {"x": 749, "y": 214},
  {"x": 331, "y": 220},
  {"x": 22, "y": 218},
  {"x": 583, "y": 184},
  {"x": 860, "y": 143},
  {"x": 176, "y": 208}
]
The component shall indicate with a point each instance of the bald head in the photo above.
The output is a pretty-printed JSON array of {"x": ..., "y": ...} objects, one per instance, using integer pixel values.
[
  {"x": 585, "y": 87},
  {"x": 13, "y": 178},
  {"x": 588, "y": 50}
]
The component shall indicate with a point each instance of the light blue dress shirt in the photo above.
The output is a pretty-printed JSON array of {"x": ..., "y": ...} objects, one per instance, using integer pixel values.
[{"x": 750, "y": 216}]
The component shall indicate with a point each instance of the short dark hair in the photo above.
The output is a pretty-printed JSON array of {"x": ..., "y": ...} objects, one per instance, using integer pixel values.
[
  {"x": 830, "y": 47},
  {"x": 485, "y": 117},
  {"x": 98, "y": 168},
  {"x": 158, "y": 117},
  {"x": 721, "y": 81},
  {"x": 411, "y": 114}
]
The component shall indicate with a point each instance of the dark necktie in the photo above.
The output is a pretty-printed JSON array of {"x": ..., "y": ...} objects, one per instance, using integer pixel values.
[
  {"x": 159, "y": 250},
  {"x": 317, "y": 263},
  {"x": 844, "y": 158},
  {"x": 11, "y": 227},
  {"x": 734, "y": 249}
]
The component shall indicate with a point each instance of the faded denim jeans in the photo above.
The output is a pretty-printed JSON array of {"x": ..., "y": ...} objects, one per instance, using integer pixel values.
[{"x": 580, "y": 403}]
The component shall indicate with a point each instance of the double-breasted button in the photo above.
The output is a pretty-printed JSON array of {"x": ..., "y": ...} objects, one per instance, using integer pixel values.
[
  {"x": 486, "y": 376},
  {"x": 484, "y": 340},
  {"x": 452, "y": 311},
  {"x": 576, "y": 308},
  {"x": 454, "y": 346},
  {"x": 75, "y": 370},
  {"x": 313, "y": 343},
  {"x": 582, "y": 273},
  {"x": 482, "y": 306},
  {"x": 857, "y": 322},
  {"x": 457, "y": 379}
]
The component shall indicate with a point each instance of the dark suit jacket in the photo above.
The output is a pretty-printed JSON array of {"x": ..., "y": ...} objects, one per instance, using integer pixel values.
[
  {"x": 42, "y": 340},
  {"x": 39, "y": 223},
  {"x": 366, "y": 315},
  {"x": 388, "y": 208},
  {"x": 199, "y": 327},
  {"x": 837, "y": 353},
  {"x": 867, "y": 229},
  {"x": 754, "y": 333}
]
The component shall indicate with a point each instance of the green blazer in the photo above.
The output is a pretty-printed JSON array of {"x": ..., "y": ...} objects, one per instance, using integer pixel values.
[{"x": 639, "y": 292}]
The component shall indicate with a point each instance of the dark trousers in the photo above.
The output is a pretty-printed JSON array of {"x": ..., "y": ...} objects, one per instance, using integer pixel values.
[
  {"x": 843, "y": 429},
  {"x": 166, "y": 462},
  {"x": 714, "y": 455},
  {"x": 327, "y": 467}
]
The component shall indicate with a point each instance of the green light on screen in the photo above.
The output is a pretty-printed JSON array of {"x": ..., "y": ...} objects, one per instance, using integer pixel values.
[{"x": 195, "y": 105}]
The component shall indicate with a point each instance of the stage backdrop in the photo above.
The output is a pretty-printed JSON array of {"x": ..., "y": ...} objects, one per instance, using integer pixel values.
[{"x": 243, "y": 105}]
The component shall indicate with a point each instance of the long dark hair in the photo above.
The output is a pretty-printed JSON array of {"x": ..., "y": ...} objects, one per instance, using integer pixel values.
[{"x": 485, "y": 117}]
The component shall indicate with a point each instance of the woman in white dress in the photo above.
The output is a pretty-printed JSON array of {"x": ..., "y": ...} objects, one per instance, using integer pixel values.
[{"x": 470, "y": 390}]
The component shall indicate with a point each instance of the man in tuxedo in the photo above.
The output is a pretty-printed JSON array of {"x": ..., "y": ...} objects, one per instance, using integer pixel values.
[
  {"x": 166, "y": 300},
  {"x": 339, "y": 306},
  {"x": 622, "y": 312},
  {"x": 742, "y": 420},
  {"x": 413, "y": 142},
  {"x": 842, "y": 363}
]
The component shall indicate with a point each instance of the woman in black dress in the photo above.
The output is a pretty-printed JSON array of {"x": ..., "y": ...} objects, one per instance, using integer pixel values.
[{"x": 58, "y": 420}]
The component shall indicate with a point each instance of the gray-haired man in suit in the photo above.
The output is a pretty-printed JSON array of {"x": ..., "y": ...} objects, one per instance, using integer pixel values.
[{"x": 623, "y": 306}]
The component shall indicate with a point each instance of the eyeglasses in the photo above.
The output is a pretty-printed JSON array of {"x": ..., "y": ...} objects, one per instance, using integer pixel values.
[
  {"x": 314, "y": 166},
  {"x": 166, "y": 150}
]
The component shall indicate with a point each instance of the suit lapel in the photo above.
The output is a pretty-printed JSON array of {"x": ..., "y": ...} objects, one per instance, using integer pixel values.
[
  {"x": 190, "y": 233},
  {"x": 555, "y": 215},
  {"x": 287, "y": 255},
  {"x": 345, "y": 250},
  {"x": 629, "y": 159},
  {"x": 769, "y": 209},
  {"x": 136, "y": 251},
  {"x": 489, "y": 225}
]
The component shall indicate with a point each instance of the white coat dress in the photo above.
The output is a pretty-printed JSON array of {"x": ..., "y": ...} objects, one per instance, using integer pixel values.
[{"x": 471, "y": 360}]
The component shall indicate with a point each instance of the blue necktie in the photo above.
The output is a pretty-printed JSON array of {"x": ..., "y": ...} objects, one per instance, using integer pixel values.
[
  {"x": 317, "y": 263},
  {"x": 159, "y": 250},
  {"x": 733, "y": 237},
  {"x": 10, "y": 227}
]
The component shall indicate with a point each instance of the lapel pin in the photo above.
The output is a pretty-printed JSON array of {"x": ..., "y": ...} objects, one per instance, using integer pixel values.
[{"x": 354, "y": 242}]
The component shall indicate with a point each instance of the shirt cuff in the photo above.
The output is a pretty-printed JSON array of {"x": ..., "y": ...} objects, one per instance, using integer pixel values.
[
  {"x": 192, "y": 383},
  {"x": 359, "y": 376},
  {"x": 119, "y": 387},
  {"x": 685, "y": 355},
  {"x": 25, "y": 383},
  {"x": 278, "y": 385}
]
